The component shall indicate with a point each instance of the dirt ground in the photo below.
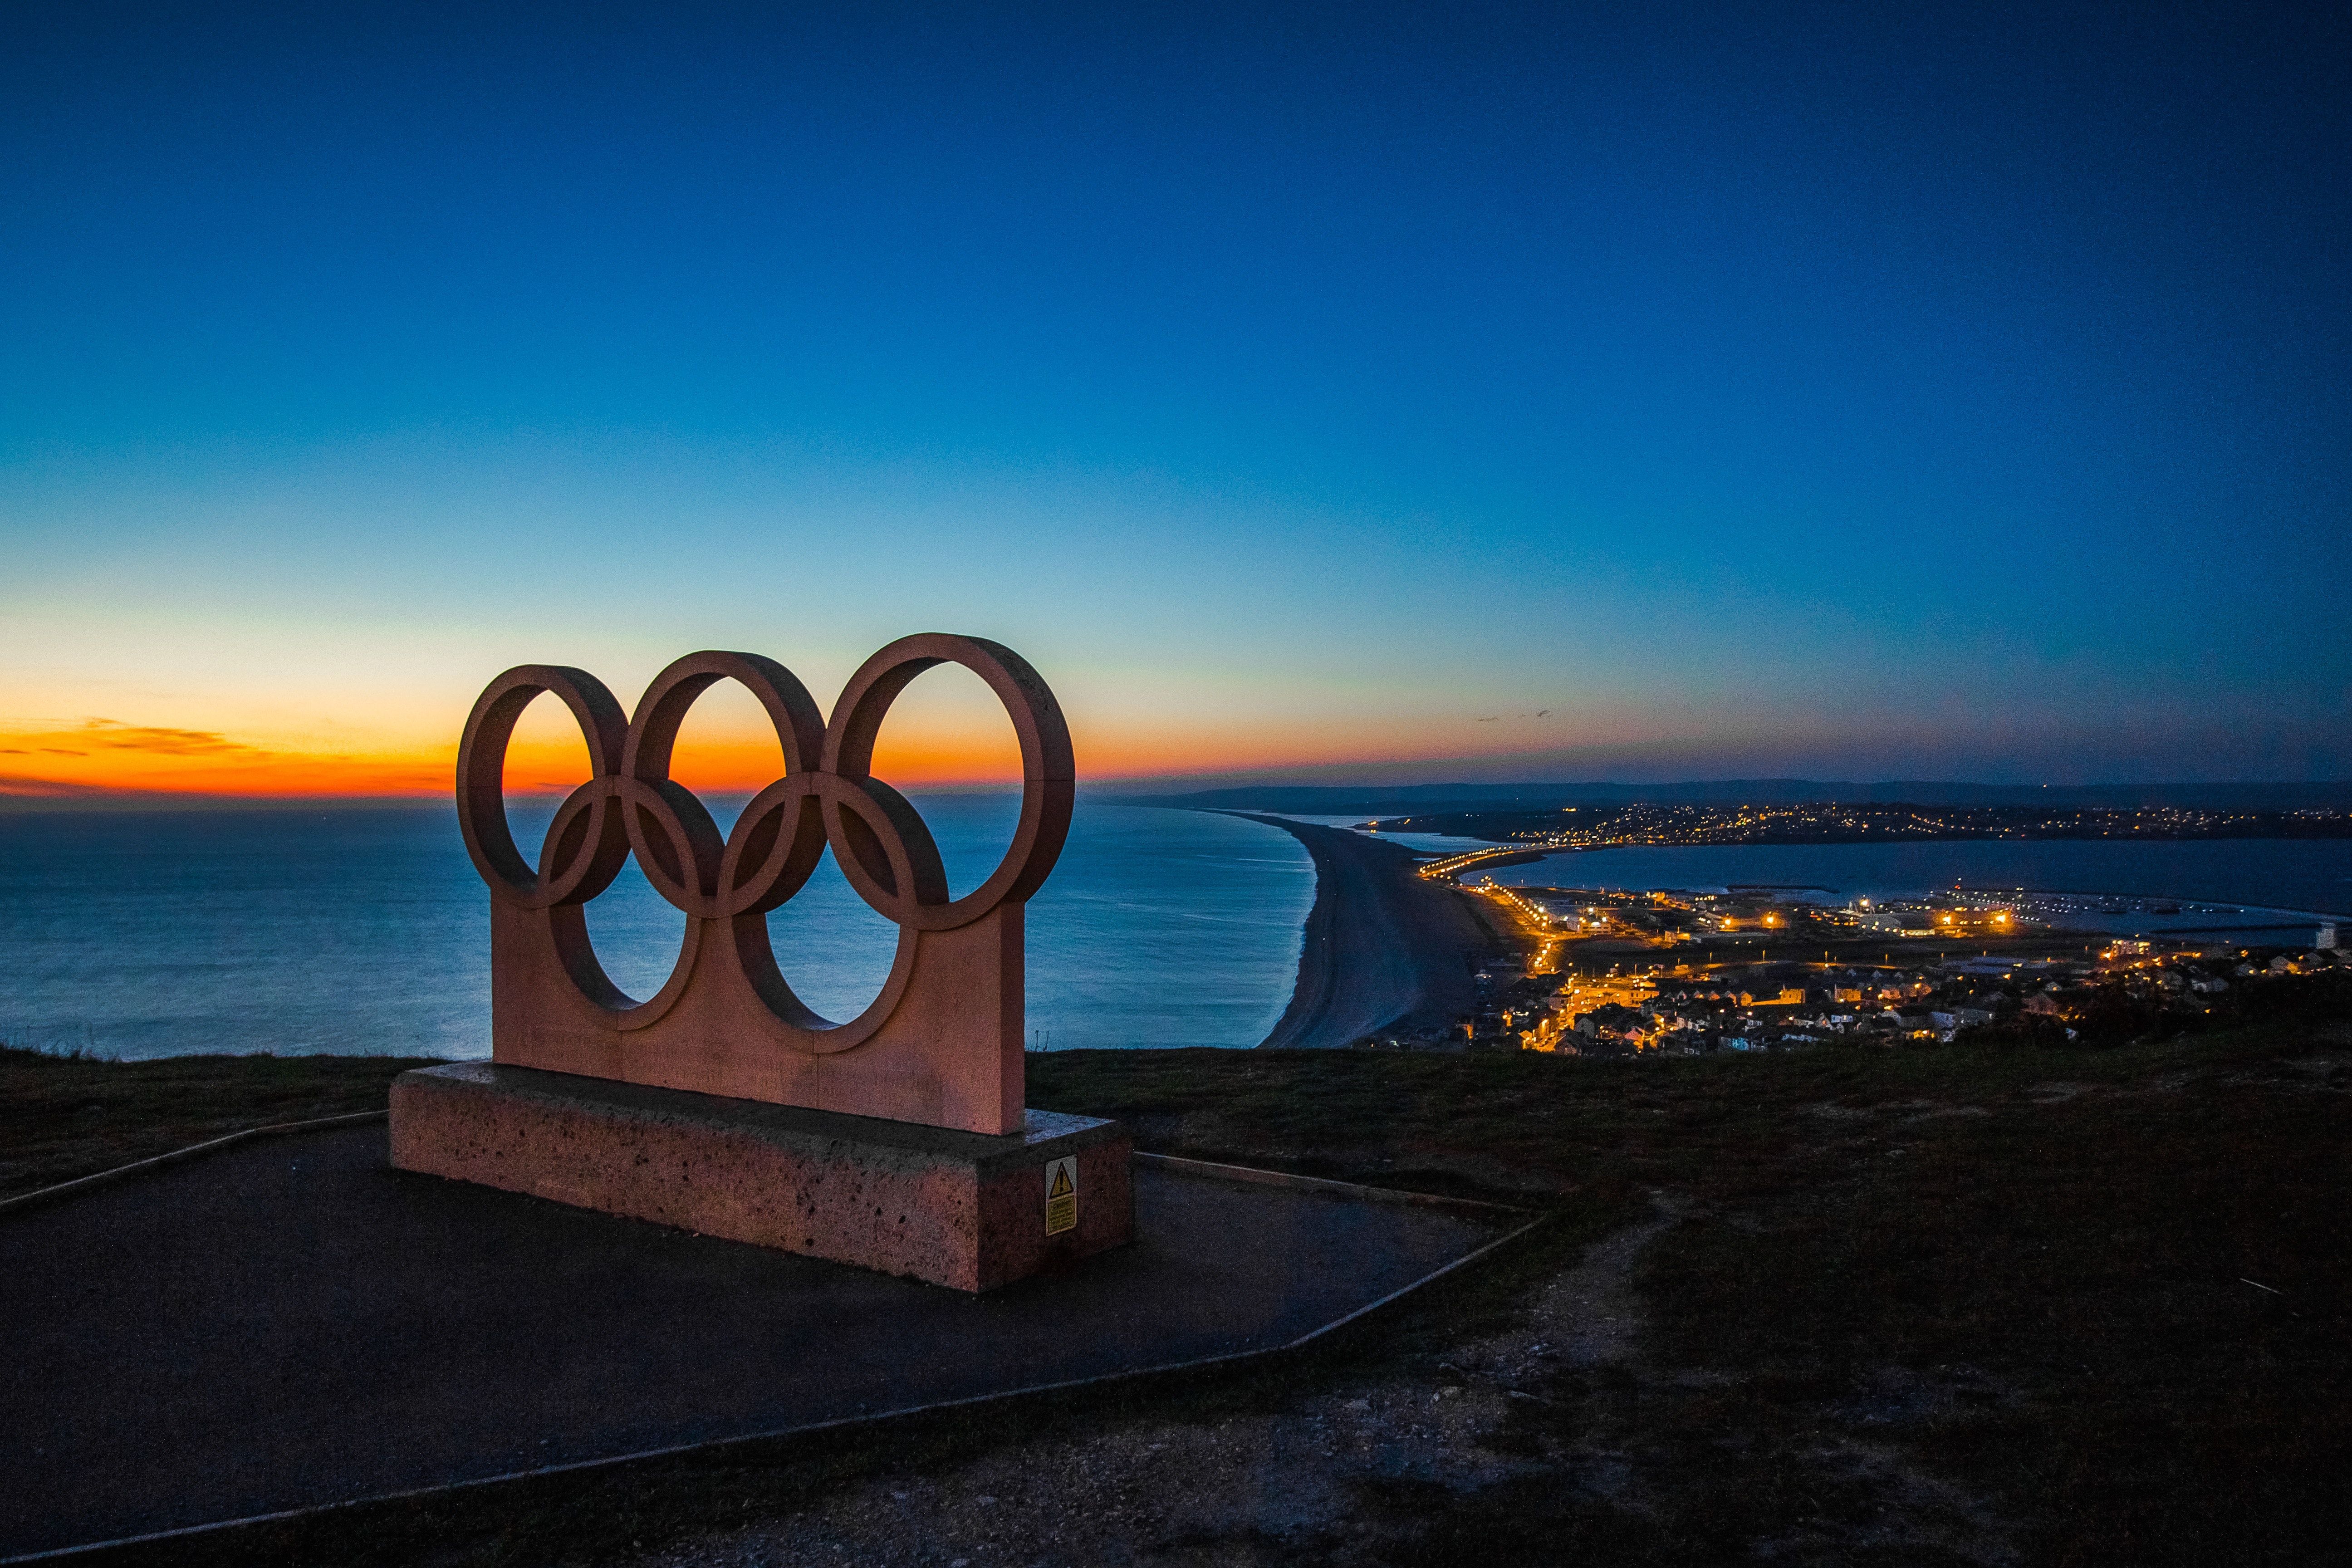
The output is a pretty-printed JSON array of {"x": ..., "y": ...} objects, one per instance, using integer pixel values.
[{"x": 1317, "y": 1478}]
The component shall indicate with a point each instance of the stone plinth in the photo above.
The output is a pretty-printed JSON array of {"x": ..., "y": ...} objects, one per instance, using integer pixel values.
[{"x": 966, "y": 1210}]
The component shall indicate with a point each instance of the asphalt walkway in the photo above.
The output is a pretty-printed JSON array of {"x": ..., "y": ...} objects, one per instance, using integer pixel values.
[{"x": 293, "y": 1322}]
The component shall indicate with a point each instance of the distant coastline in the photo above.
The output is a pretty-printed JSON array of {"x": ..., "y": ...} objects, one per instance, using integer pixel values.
[
  {"x": 1390, "y": 800},
  {"x": 1848, "y": 822}
]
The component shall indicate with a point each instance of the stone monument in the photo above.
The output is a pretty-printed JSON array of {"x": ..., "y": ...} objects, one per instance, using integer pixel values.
[{"x": 897, "y": 1140}]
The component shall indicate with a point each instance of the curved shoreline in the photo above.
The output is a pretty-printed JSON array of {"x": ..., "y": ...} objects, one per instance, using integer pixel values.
[{"x": 1383, "y": 950}]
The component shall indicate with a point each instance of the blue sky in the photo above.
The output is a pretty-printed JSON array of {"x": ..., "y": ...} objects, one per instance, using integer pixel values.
[{"x": 1627, "y": 392}]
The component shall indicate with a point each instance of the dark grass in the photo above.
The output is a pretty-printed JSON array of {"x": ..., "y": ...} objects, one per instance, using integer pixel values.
[
  {"x": 2086, "y": 1268},
  {"x": 67, "y": 1117},
  {"x": 1918, "y": 1306},
  {"x": 1897, "y": 1272}
]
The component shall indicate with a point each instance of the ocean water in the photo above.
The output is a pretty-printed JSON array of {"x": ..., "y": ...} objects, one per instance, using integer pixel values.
[{"x": 146, "y": 934}]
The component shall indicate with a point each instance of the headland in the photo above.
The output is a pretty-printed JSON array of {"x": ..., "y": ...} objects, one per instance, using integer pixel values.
[{"x": 1385, "y": 949}]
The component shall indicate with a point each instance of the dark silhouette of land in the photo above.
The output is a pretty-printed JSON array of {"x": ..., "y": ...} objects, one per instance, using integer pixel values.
[
  {"x": 1605, "y": 826},
  {"x": 1386, "y": 800}
]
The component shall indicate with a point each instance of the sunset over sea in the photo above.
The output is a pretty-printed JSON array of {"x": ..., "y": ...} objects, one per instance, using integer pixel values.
[{"x": 1351, "y": 784}]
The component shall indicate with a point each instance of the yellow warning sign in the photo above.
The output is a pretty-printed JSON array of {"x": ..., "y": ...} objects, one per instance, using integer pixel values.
[{"x": 1062, "y": 1194}]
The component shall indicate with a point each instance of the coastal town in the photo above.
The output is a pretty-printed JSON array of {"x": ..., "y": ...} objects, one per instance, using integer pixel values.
[{"x": 1613, "y": 973}]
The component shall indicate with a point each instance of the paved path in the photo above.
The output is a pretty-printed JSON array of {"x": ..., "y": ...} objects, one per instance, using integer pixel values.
[{"x": 292, "y": 1321}]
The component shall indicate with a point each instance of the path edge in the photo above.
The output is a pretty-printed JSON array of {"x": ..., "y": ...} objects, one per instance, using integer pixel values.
[
  {"x": 1232, "y": 1361},
  {"x": 172, "y": 1157}
]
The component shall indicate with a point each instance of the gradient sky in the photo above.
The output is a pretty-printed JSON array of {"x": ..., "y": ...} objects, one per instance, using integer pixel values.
[{"x": 1642, "y": 392}]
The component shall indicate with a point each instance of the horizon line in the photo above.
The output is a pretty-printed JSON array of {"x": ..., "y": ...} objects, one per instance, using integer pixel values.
[{"x": 105, "y": 798}]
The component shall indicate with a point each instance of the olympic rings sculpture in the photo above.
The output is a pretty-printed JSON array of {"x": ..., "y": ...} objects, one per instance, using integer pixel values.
[{"x": 828, "y": 796}]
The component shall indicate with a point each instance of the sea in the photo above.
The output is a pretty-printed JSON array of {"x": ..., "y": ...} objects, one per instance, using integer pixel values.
[{"x": 365, "y": 930}]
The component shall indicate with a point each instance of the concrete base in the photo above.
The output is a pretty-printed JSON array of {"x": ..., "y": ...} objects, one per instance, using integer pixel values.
[{"x": 961, "y": 1209}]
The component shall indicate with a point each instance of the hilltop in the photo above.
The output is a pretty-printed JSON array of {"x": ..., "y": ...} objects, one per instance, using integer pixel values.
[{"x": 1935, "y": 1304}]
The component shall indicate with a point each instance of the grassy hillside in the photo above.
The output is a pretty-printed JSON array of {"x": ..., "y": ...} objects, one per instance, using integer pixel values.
[
  {"x": 2082, "y": 1305},
  {"x": 1966, "y": 1304},
  {"x": 63, "y": 1117}
]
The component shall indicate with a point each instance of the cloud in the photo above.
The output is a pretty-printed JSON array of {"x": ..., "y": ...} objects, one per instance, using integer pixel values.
[
  {"x": 115, "y": 736},
  {"x": 104, "y": 761},
  {"x": 112, "y": 738},
  {"x": 106, "y": 758},
  {"x": 23, "y": 786}
]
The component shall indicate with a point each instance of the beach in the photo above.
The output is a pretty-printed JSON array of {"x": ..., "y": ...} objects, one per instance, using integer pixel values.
[{"x": 1384, "y": 951}]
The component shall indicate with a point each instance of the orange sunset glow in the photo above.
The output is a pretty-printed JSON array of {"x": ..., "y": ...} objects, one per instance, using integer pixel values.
[
  {"x": 945, "y": 731},
  {"x": 99, "y": 757},
  {"x": 102, "y": 756}
]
